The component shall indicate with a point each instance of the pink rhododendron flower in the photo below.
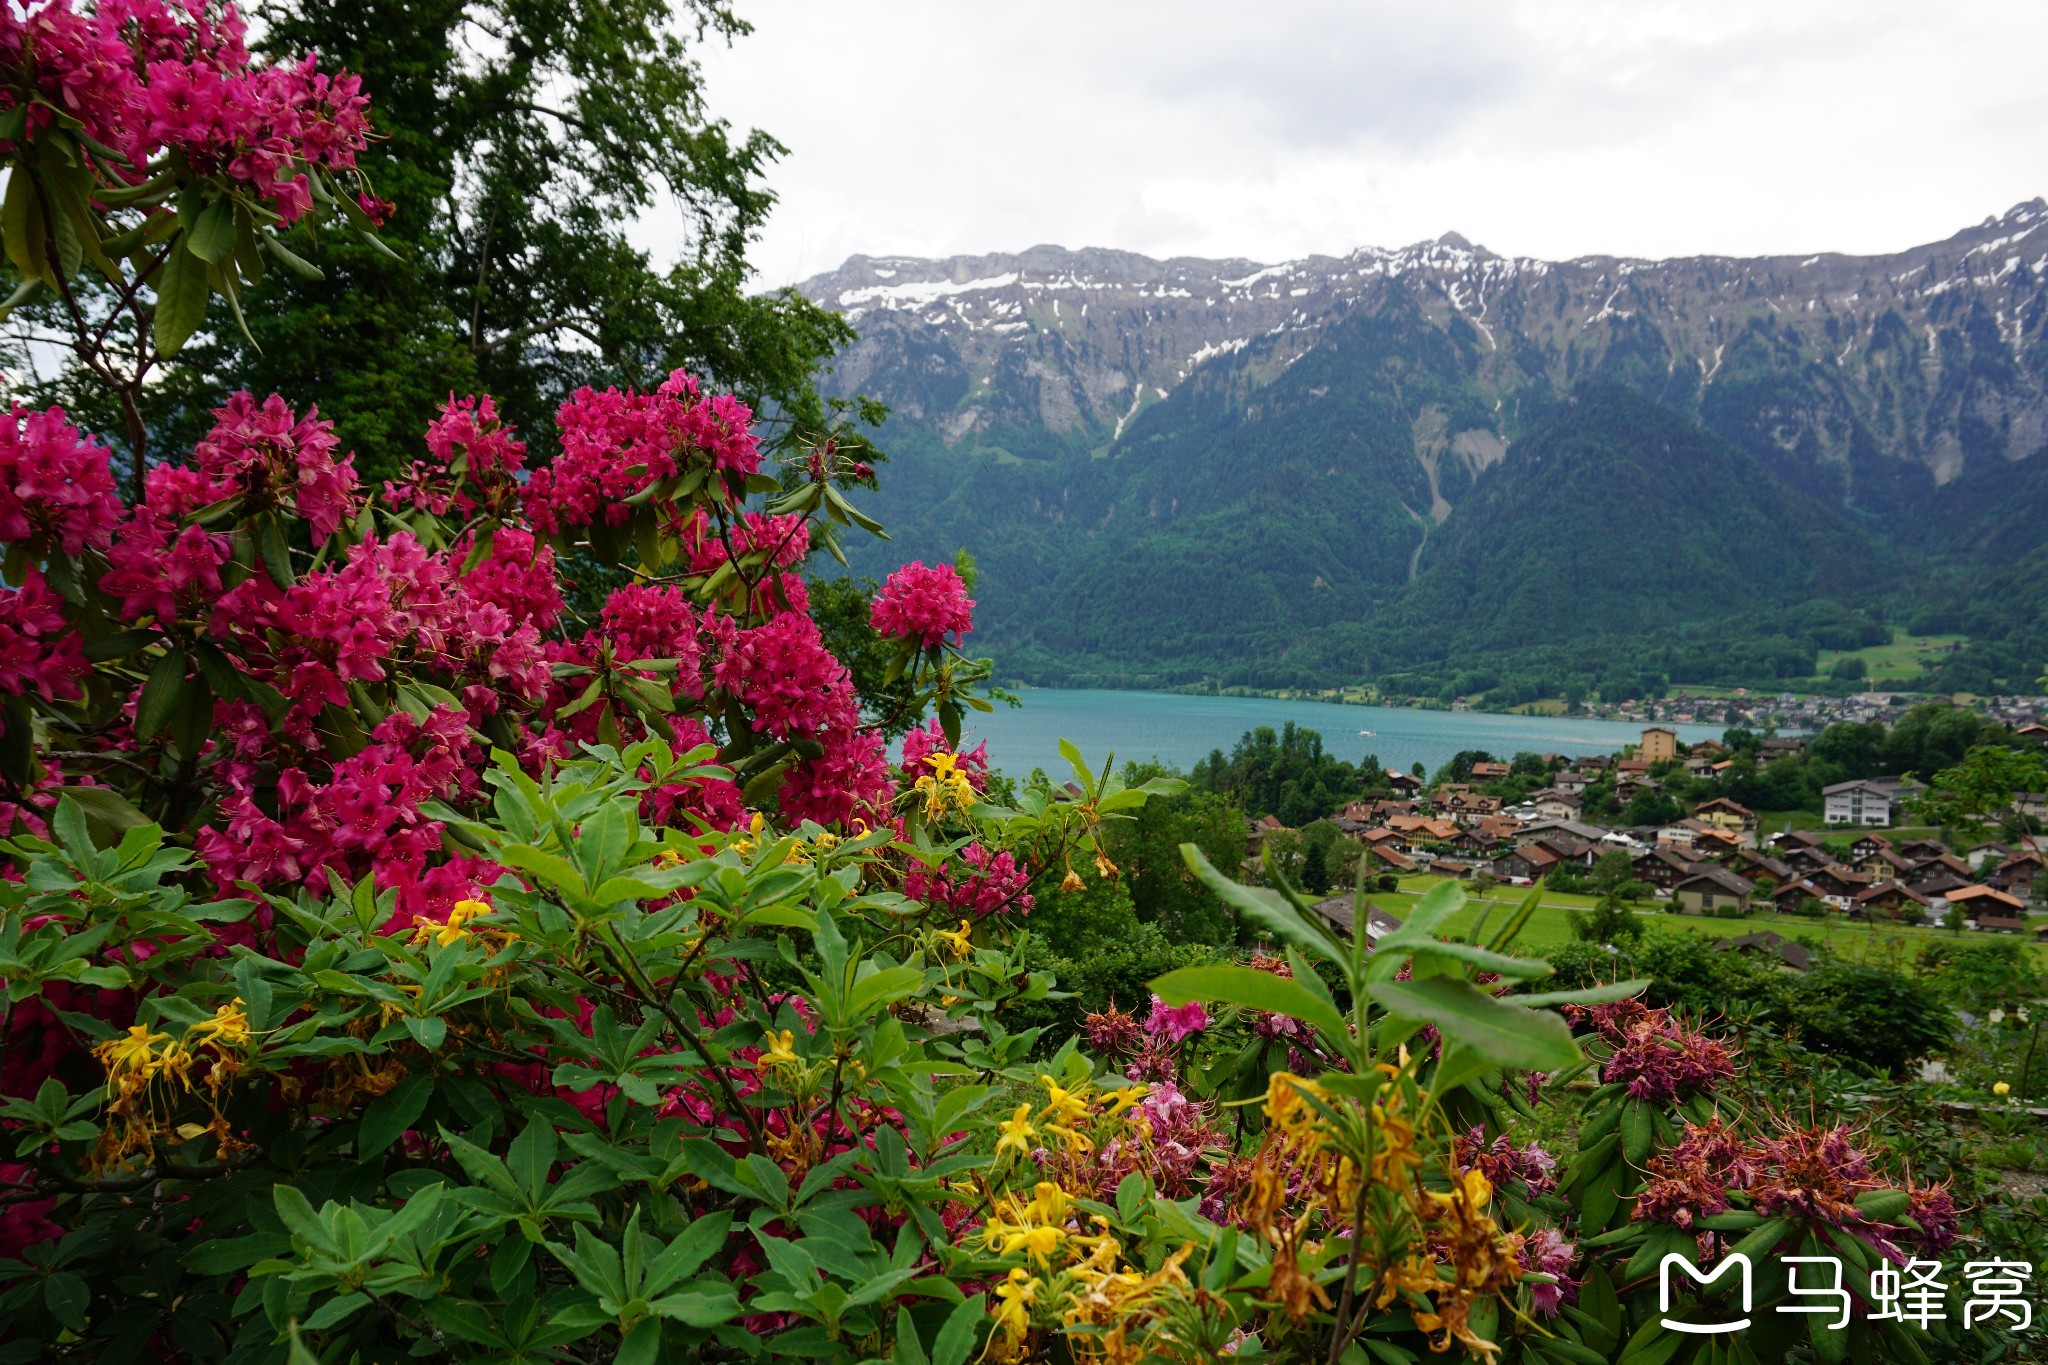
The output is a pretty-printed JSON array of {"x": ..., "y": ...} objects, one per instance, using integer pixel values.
[
  {"x": 39, "y": 650},
  {"x": 1176, "y": 1024},
  {"x": 923, "y": 602},
  {"x": 55, "y": 483}
]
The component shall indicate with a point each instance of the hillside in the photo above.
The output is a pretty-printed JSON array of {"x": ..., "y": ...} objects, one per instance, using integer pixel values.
[{"x": 1343, "y": 464}]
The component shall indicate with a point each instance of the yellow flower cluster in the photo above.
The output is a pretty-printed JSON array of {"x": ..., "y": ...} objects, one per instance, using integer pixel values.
[
  {"x": 945, "y": 788},
  {"x": 136, "y": 1060},
  {"x": 1074, "y": 1280},
  {"x": 1444, "y": 1252}
]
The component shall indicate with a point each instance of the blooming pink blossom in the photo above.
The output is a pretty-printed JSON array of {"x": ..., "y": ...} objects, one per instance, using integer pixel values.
[
  {"x": 1176, "y": 1025},
  {"x": 55, "y": 484},
  {"x": 923, "y": 602}
]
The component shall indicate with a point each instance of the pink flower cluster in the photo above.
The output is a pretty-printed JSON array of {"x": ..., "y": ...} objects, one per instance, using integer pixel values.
[
  {"x": 923, "y": 602},
  {"x": 476, "y": 460},
  {"x": 1656, "y": 1056},
  {"x": 55, "y": 485},
  {"x": 1548, "y": 1253},
  {"x": 974, "y": 883},
  {"x": 1175, "y": 1024},
  {"x": 39, "y": 651},
  {"x": 1813, "y": 1175},
  {"x": 364, "y": 818},
  {"x": 273, "y": 458},
  {"x": 615, "y": 445},
  {"x": 145, "y": 76},
  {"x": 1501, "y": 1162}
]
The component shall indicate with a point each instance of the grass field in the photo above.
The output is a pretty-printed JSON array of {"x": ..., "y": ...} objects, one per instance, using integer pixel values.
[
  {"x": 1551, "y": 923},
  {"x": 1903, "y": 660}
]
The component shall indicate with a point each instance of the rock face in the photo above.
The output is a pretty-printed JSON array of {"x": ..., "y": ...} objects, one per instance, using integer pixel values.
[
  {"x": 1933, "y": 356},
  {"x": 1171, "y": 466}
]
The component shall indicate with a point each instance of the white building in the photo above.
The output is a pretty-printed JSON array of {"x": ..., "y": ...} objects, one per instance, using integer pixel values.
[{"x": 1870, "y": 801}]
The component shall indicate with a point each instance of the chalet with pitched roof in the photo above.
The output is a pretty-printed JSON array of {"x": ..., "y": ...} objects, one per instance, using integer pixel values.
[{"x": 1711, "y": 889}]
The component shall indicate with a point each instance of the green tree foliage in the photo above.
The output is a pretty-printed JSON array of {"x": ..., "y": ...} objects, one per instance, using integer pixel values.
[
  {"x": 520, "y": 142},
  {"x": 1976, "y": 794},
  {"x": 1286, "y": 773},
  {"x": 1154, "y": 872}
]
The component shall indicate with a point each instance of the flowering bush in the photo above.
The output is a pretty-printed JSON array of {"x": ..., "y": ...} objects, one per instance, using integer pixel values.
[{"x": 400, "y": 964}]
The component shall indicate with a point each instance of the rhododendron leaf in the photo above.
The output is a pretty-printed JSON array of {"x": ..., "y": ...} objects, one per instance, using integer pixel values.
[
  {"x": 192, "y": 720},
  {"x": 1252, "y": 989},
  {"x": 1511, "y": 968},
  {"x": 27, "y": 292},
  {"x": 21, "y": 227},
  {"x": 956, "y": 1338},
  {"x": 1587, "y": 995},
  {"x": 160, "y": 694},
  {"x": 182, "y": 293},
  {"x": 384, "y": 1120},
  {"x": 107, "y": 810},
  {"x": 293, "y": 262},
  {"x": 1498, "y": 1029},
  {"x": 1268, "y": 908},
  {"x": 274, "y": 549},
  {"x": 212, "y": 233}
]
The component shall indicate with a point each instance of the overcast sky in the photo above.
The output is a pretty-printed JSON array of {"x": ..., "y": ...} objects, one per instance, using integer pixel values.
[{"x": 1277, "y": 128}]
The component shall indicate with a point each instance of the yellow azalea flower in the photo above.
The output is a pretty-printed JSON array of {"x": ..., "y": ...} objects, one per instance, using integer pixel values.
[
  {"x": 1073, "y": 881},
  {"x": 1104, "y": 868},
  {"x": 132, "y": 1054},
  {"x": 1014, "y": 1298},
  {"x": 1016, "y": 1132},
  {"x": 1124, "y": 1096},
  {"x": 1049, "y": 1203},
  {"x": 1078, "y": 1144},
  {"x": 945, "y": 787},
  {"x": 958, "y": 938},
  {"x": 1065, "y": 1106},
  {"x": 668, "y": 857},
  {"x": 452, "y": 930},
  {"x": 826, "y": 841},
  {"x": 2002, "y": 1089},
  {"x": 229, "y": 1027},
  {"x": 778, "y": 1049}
]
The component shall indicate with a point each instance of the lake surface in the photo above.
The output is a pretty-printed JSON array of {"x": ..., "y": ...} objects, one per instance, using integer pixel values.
[{"x": 1181, "y": 730}]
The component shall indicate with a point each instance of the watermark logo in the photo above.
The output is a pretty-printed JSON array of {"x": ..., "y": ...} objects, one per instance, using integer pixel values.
[{"x": 1913, "y": 1294}]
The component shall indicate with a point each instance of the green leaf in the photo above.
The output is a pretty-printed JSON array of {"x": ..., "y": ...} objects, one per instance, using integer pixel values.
[
  {"x": 956, "y": 1338},
  {"x": 390, "y": 1116},
  {"x": 1254, "y": 989},
  {"x": 1266, "y": 907},
  {"x": 293, "y": 262},
  {"x": 67, "y": 1295},
  {"x": 1504, "y": 1032},
  {"x": 213, "y": 235},
  {"x": 160, "y": 694},
  {"x": 182, "y": 293},
  {"x": 335, "y": 1310}
]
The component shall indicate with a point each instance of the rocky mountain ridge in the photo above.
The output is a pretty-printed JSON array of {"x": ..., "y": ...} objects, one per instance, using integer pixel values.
[{"x": 1933, "y": 355}]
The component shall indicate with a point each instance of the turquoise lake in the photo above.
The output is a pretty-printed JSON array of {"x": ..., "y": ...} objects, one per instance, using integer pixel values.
[{"x": 1181, "y": 730}]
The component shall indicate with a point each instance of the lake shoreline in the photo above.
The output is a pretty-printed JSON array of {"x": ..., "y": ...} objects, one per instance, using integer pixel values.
[{"x": 1181, "y": 729}]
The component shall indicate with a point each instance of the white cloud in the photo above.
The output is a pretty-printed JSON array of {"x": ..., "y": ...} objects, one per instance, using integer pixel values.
[{"x": 1551, "y": 128}]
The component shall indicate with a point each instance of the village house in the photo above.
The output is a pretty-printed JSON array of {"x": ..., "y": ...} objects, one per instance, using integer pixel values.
[
  {"x": 1885, "y": 863},
  {"x": 1573, "y": 781},
  {"x": 2032, "y": 805},
  {"x": 1659, "y": 745},
  {"x": 1711, "y": 889},
  {"x": 2018, "y": 875},
  {"x": 1554, "y": 803},
  {"x": 1837, "y": 885},
  {"x": 1661, "y": 867},
  {"x": 1403, "y": 782},
  {"x": 1920, "y": 850},
  {"x": 1981, "y": 904},
  {"x": 1725, "y": 814},
  {"x": 1868, "y": 801},
  {"x": 1342, "y": 913},
  {"x": 1888, "y": 900},
  {"x": 1524, "y": 864},
  {"x": 1490, "y": 772},
  {"x": 1793, "y": 957}
]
